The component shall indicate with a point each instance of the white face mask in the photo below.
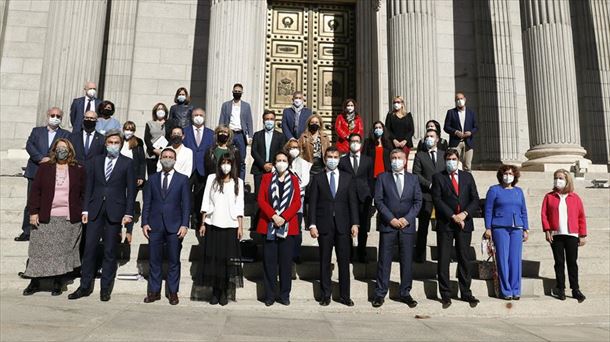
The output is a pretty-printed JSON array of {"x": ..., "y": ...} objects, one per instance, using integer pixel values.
[
  {"x": 460, "y": 102},
  {"x": 294, "y": 152},
  {"x": 332, "y": 163},
  {"x": 226, "y": 168},
  {"x": 160, "y": 114},
  {"x": 398, "y": 165},
  {"x": 297, "y": 102},
  {"x": 559, "y": 183},
  {"x": 91, "y": 93},
  {"x": 452, "y": 165},
  {"x": 181, "y": 98},
  {"x": 198, "y": 120},
  {"x": 508, "y": 179},
  {"x": 54, "y": 122},
  {"x": 355, "y": 147},
  {"x": 350, "y": 109},
  {"x": 281, "y": 166},
  {"x": 128, "y": 134},
  {"x": 397, "y": 106}
]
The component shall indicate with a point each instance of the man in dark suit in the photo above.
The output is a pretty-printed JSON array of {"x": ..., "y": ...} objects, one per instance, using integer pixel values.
[
  {"x": 461, "y": 125},
  {"x": 456, "y": 199},
  {"x": 398, "y": 199},
  {"x": 294, "y": 118},
  {"x": 425, "y": 164},
  {"x": 82, "y": 105},
  {"x": 108, "y": 204},
  {"x": 360, "y": 167},
  {"x": 333, "y": 217},
  {"x": 88, "y": 143},
  {"x": 237, "y": 115},
  {"x": 199, "y": 139},
  {"x": 38, "y": 145},
  {"x": 165, "y": 220},
  {"x": 265, "y": 144}
]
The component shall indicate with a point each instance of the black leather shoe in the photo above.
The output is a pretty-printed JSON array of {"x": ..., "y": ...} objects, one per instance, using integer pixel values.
[
  {"x": 409, "y": 301},
  {"x": 325, "y": 302},
  {"x": 152, "y": 297},
  {"x": 173, "y": 299},
  {"x": 285, "y": 302},
  {"x": 269, "y": 302},
  {"x": 31, "y": 289},
  {"x": 578, "y": 296},
  {"x": 79, "y": 293},
  {"x": 516, "y": 298},
  {"x": 104, "y": 295},
  {"x": 57, "y": 288},
  {"x": 377, "y": 302},
  {"x": 214, "y": 300},
  {"x": 471, "y": 300},
  {"x": 22, "y": 237},
  {"x": 559, "y": 294},
  {"x": 223, "y": 300},
  {"x": 346, "y": 301},
  {"x": 446, "y": 302}
]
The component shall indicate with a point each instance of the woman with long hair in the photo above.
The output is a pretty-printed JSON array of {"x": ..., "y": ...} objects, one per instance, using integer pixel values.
[
  {"x": 399, "y": 123},
  {"x": 347, "y": 123}
]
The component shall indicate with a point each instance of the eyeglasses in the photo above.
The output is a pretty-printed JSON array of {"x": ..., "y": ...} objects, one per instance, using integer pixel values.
[{"x": 55, "y": 116}]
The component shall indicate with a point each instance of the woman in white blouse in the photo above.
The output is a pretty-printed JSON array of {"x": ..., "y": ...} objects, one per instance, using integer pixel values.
[
  {"x": 223, "y": 211},
  {"x": 301, "y": 168}
]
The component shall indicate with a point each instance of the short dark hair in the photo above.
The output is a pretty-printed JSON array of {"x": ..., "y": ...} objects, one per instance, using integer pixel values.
[
  {"x": 177, "y": 127},
  {"x": 432, "y": 130},
  {"x": 331, "y": 149},
  {"x": 397, "y": 151},
  {"x": 282, "y": 152},
  {"x": 112, "y": 133},
  {"x": 238, "y": 85},
  {"x": 169, "y": 149},
  {"x": 101, "y": 106},
  {"x": 354, "y": 135},
  {"x": 505, "y": 168},
  {"x": 452, "y": 152},
  {"x": 268, "y": 111}
]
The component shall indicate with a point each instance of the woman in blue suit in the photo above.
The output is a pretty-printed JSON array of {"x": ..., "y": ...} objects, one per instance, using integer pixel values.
[{"x": 506, "y": 222}]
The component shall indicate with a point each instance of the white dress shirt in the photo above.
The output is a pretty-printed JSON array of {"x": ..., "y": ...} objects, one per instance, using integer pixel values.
[
  {"x": 184, "y": 161},
  {"x": 563, "y": 218},
  {"x": 268, "y": 138},
  {"x": 235, "y": 122},
  {"x": 223, "y": 209},
  {"x": 89, "y": 109},
  {"x": 462, "y": 116},
  {"x": 51, "y": 134}
]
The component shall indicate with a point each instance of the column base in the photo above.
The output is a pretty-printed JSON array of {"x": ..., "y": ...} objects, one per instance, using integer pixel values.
[{"x": 548, "y": 158}]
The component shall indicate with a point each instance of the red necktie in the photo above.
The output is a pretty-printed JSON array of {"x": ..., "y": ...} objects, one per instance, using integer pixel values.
[{"x": 457, "y": 190}]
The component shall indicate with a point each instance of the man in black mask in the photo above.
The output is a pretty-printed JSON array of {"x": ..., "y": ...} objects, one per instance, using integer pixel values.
[
  {"x": 87, "y": 142},
  {"x": 237, "y": 115}
]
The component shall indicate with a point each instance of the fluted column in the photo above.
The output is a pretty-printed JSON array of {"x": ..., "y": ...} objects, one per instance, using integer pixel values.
[
  {"x": 600, "y": 10},
  {"x": 412, "y": 57},
  {"x": 73, "y": 52},
  {"x": 236, "y": 55},
  {"x": 497, "y": 92},
  {"x": 550, "y": 84},
  {"x": 119, "y": 58}
]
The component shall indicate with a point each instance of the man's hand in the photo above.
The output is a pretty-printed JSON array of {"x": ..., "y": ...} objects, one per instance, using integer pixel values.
[
  {"x": 126, "y": 220},
  {"x": 157, "y": 151},
  {"x": 403, "y": 222},
  {"x": 354, "y": 230},
  {"x": 34, "y": 220},
  {"x": 44, "y": 160},
  {"x": 128, "y": 237},
  {"x": 202, "y": 230},
  {"x": 313, "y": 232},
  {"x": 182, "y": 232},
  {"x": 139, "y": 182},
  {"x": 278, "y": 220},
  {"x": 85, "y": 218},
  {"x": 145, "y": 230},
  {"x": 395, "y": 223},
  {"x": 462, "y": 224},
  {"x": 458, "y": 218},
  {"x": 467, "y": 134},
  {"x": 268, "y": 167}
]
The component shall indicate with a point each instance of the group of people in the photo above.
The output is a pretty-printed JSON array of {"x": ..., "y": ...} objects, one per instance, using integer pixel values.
[{"x": 82, "y": 188}]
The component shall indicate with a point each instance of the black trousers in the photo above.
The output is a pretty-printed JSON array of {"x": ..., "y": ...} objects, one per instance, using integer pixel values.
[
  {"x": 25, "y": 227},
  {"x": 197, "y": 183},
  {"x": 422, "y": 230},
  {"x": 342, "y": 244},
  {"x": 364, "y": 209},
  {"x": 276, "y": 253},
  {"x": 444, "y": 241},
  {"x": 151, "y": 166},
  {"x": 565, "y": 250}
]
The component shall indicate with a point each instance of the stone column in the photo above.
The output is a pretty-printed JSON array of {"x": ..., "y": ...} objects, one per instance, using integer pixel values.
[
  {"x": 73, "y": 53},
  {"x": 412, "y": 57},
  {"x": 497, "y": 114},
  {"x": 552, "y": 101},
  {"x": 236, "y": 55},
  {"x": 600, "y": 10},
  {"x": 119, "y": 58}
]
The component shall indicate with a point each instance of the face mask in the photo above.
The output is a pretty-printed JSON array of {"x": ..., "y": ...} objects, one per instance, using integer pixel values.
[
  {"x": 281, "y": 166},
  {"x": 168, "y": 163},
  {"x": 269, "y": 124},
  {"x": 181, "y": 98},
  {"x": 61, "y": 153},
  {"x": 378, "y": 132},
  {"x": 397, "y": 165},
  {"x": 176, "y": 140},
  {"x": 160, "y": 114},
  {"x": 314, "y": 128},
  {"x": 451, "y": 165},
  {"x": 236, "y": 96},
  {"x": 54, "y": 122},
  {"x": 397, "y": 106},
  {"x": 222, "y": 138},
  {"x": 107, "y": 112},
  {"x": 350, "y": 109},
  {"x": 91, "y": 93},
  {"x": 559, "y": 184},
  {"x": 355, "y": 146},
  {"x": 460, "y": 102},
  {"x": 225, "y": 168},
  {"x": 332, "y": 163},
  {"x": 89, "y": 125},
  {"x": 297, "y": 102},
  {"x": 294, "y": 152},
  {"x": 508, "y": 179},
  {"x": 113, "y": 150},
  {"x": 128, "y": 134},
  {"x": 198, "y": 120},
  {"x": 430, "y": 142}
]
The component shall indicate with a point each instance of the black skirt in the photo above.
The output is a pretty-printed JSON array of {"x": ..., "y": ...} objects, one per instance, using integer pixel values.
[{"x": 220, "y": 265}]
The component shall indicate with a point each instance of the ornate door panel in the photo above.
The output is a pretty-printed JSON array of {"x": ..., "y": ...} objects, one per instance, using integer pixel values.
[{"x": 310, "y": 47}]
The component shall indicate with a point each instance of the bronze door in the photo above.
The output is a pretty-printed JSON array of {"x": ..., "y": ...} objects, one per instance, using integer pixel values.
[{"x": 311, "y": 48}]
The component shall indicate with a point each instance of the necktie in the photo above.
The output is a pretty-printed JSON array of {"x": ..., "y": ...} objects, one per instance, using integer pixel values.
[
  {"x": 399, "y": 183},
  {"x": 333, "y": 187},
  {"x": 164, "y": 186},
  {"x": 433, "y": 157},
  {"x": 87, "y": 143},
  {"x": 198, "y": 136},
  {"x": 109, "y": 168},
  {"x": 457, "y": 191},
  {"x": 88, "y": 106},
  {"x": 355, "y": 166}
]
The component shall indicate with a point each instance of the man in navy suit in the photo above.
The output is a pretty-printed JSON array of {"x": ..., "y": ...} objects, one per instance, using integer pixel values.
[
  {"x": 199, "y": 139},
  {"x": 88, "y": 143},
  {"x": 165, "y": 220},
  {"x": 461, "y": 125},
  {"x": 294, "y": 118},
  {"x": 82, "y": 105},
  {"x": 237, "y": 115},
  {"x": 456, "y": 200},
  {"x": 108, "y": 204},
  {"x": 38, "y": 145},
  {"x": 333, "y": 217},
  {"x": 398, "y": 199}
]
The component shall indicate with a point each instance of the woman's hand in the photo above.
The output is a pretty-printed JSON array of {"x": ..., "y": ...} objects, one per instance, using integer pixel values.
[
  {"x": 487, "y": 234},
  {"x": 582, "y": 241},
  {"x": 240, "y": 233},
  {"x": 278, "y": 220},
  {"x": 34, "y": 220},
  {"x": 157, "y": 151},
  {"x": 548, "y": 236},
  {"x": 139, "y": 182},
  {"x": 525, "y": 235},
  {"x": 202, "y": 230}
]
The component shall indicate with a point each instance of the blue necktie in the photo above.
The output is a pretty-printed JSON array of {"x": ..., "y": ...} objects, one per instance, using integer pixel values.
[
  {"x": 333, "y": 187},
  {"x": 164, "y": 186},
  {"x": 87, "y": 143}
]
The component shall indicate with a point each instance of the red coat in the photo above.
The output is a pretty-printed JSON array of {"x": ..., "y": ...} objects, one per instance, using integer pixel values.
[
  {"x": 577, "y": 224},
  {"x": 267, "y": 211},
  {"x": 343, "y": 132}
]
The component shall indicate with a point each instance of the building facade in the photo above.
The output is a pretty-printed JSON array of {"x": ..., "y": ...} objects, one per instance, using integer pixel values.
[{"x": 536, "y": 72}]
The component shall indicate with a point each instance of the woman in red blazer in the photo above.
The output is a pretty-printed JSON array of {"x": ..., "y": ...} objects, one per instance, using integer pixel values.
[
  {"x": 347, "y": 123},
  {"x": 565, "y": 227},
  {"x": 55, "y": 215},
  {"x": 279, "y": 200}
]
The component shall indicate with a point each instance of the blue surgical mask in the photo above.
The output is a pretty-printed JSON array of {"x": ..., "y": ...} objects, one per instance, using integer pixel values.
[
  {"x": 397, "y": 165},
  {"x": 452, "y": 165},
  {"x": 430, "y": 142},
  {"x": 332, "y": 163},
  {"x": 113, "y": 150},
  {"x": 378, "y": 132},
  {"x": 269, "y": 124}
]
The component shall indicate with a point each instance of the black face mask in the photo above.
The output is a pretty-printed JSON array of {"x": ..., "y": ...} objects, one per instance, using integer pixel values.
[
  {"x": 176, "y": 140},
  {"x": 236, "y": 96},
  {"x": 314, "y": 128},
  {"x": 89, "y": 125},
  {"x": 107, "y": 112},
  {"x": 222, "y": 138}
]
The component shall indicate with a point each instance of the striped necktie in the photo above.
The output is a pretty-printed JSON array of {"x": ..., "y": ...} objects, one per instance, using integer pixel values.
[{"x": 109, "y": 167}]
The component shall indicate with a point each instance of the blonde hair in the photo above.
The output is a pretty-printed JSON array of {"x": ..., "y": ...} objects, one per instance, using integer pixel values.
[
  {"x": 131, "y": 126},
  {"x": 223, "y": 128},
  {"x": 569, "y": 181},
  {"x": 402, "y": 110},
  {"x": 315, "y": 116}
]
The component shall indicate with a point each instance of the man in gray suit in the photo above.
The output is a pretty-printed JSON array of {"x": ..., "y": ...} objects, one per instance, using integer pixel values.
[
  {"x": 237, "y": 115},
  {"x": 84, "y": 104}
]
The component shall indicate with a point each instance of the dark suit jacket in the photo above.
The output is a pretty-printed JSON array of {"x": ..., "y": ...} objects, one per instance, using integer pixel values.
[
  {"x": 423, "y": 168},
  {"x": 288, "y": 116},
  {"x": 363, "y": 180},
  {"x": 119, "y": 192},
  {"x": 210, "y": 159},
  {"x": 446, "y": 200},
  {"x": 323, "y": 207},
  {"x": 77, "y": 112},
  {"x": 258, "y": 150},
  {"x": 139, "y": 159},
  {"x": 452, "y": 124},
  {"x": 390, "y": 205},
  {"x": 246, "y": 116},
  {"x": 97, "y": 146},
  {"x": 199, "y": 151},
  {"x": 37, "y": 147},
  {"x": 43, "y": 190},
  {"x": 169, "y": 212}
]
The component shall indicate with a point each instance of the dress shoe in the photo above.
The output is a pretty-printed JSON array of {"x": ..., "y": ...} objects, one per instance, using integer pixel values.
[
  {"x": 346, "y": 301},
  {"x": 31, "y": 289},
  {"x": 409, "y": 301},
  {"x": 446, "y": 301},
  {"x": 22, "y": 237},
  {"x": 223, "y": 299},
  {"x": 325, "y": 302},
  {"x": 378, "y": 302},
  {"x": 57, "y": 288},
  {"x": 471, "y": 300},
  {"x": 505, "y": 297},
  {"x": 285, "y": 302},
  {"x": 152, "y": 297},
  {"x": 105, "y": 295},
  {"x": 559, "y": 293},
  {"x": 79, "y": 293},
  {"x": 214, "y": 300},
  {"x": 578, "y": 296},
  {"x": 269, "y": 302},
  {"x": 173, "y": 299},
  {"x": 516, "y": 297}
]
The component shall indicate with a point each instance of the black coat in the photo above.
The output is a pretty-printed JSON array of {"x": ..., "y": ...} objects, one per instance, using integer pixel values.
[
  {"x": 97, "y": 146},
  {"x": 258, "y": 150},
  {"x": 363, "y": 180},
  {"x": 424, "y": 168},
  {"x": 446, "y": 200},
  {"x": 323, "y": 207}
]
